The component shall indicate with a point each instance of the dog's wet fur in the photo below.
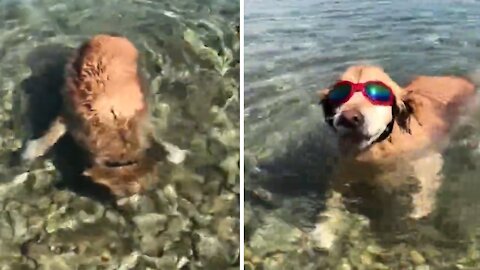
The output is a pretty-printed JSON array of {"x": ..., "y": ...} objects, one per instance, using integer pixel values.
[
  {"x": 409, "y": 153},
  {"x": 105, "y": 111}
]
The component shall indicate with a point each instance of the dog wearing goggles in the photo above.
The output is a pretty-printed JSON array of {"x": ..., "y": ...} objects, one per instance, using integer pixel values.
[
  {"x": 390, "y": 138},
  {"x": 361, "y": 106}
]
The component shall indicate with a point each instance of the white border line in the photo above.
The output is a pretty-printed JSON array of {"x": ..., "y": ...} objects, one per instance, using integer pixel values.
[{"x": 242, "y": 160}]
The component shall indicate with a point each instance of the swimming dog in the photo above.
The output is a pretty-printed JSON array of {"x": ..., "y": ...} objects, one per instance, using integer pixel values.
[
  {"x": 389, "y": 135},
  {"x": 105, "y": 111}
]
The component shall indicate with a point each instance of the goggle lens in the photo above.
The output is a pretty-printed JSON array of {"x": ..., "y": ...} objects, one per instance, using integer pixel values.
[
  {"x": 378, "y": 92},
  {"x": 340, "y": 92}
]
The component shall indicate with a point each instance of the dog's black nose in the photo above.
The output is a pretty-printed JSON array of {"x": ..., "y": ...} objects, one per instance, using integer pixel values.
[{"x": 351, "y": 119}]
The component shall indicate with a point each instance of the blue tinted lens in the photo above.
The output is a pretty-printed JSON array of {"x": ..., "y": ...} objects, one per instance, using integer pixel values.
[
  {"x": 378, "y": 92},
  {"x": 339, "y": 92}
]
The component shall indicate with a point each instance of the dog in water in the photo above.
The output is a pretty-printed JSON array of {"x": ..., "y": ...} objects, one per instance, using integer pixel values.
[
  {"x": 389, "y": 135},
  {"x": 105, "y": 111}
]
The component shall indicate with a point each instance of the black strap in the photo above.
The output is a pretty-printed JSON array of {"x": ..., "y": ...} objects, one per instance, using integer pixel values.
[
  {"x": 386, "y": 133},
  {"x": 388, "y": 130}
]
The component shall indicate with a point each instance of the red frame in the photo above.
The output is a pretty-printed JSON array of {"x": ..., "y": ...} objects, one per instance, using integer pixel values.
[{"x": 360, "y": 87}]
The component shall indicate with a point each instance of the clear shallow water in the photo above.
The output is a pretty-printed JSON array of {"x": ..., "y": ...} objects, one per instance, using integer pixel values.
[
  {"x": 292, "y": 49},
  {"x": 189, "y": 54}
]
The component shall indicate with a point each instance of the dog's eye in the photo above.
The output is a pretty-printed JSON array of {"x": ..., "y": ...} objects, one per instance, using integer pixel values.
[
  {"x": 339, "y": 92},
  {"x": 378, "y": 92}
]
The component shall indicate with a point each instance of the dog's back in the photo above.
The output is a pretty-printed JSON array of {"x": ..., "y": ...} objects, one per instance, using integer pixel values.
[
  {"x": 442, "y": 98},
  {"x": 106, "y": 113},
  {"x": 105, "y": 110}
]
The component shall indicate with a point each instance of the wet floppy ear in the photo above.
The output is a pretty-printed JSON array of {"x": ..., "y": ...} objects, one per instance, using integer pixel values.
[
  {"x": 322, "y": 94},
  {"x": 402, "y": 112},
  {"x": 328, "y": 110}
]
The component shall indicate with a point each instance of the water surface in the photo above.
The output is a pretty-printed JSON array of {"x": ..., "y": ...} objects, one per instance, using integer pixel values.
[
  {"x": 292, "y": 49},
  {"x": 189, "y": 56}
]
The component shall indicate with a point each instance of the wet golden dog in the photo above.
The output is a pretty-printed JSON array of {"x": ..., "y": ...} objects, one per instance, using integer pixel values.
[
  {"x": 105, "y": 110},
  {"x": 382, "y": 146},
  {"x": 423, "y": 112}
]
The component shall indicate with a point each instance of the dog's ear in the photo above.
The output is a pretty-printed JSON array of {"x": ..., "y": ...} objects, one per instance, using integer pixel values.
[
  {"x": 402, "y": 111},
  {"x": 322, "y": 94},
  {"x": 328, "y": 110}
]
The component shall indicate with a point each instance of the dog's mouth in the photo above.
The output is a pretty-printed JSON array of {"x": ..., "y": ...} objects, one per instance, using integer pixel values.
[
  {"x": 349, "y": 135},
  {"x": 355, "y": 136},
  {"x": 117, "y": 164}
]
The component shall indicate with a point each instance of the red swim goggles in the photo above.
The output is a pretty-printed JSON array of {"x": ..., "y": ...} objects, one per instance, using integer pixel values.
[{"x": 376, "y": 92}]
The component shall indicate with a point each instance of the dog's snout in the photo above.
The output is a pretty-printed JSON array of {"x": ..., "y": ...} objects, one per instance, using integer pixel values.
[{"x": 351, "y": 119}]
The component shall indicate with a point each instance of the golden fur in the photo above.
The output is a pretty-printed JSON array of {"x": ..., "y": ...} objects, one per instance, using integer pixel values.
[
  {"x": 105, "y": 110},
  {"x": 424, "y": 113},
  {"x": 436, "y": 102}
]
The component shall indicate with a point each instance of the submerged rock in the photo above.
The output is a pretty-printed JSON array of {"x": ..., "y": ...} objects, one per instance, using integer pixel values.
[
  {"x": 274, "y": 236},
  {"x": 189, "y": 220},
  {"x": 416, "y": 257}
]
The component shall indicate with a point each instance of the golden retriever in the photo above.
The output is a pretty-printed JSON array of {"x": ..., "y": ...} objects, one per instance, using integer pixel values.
[
  {"x": 382, "y": 146},
  {"x": 105, "y": 110}
]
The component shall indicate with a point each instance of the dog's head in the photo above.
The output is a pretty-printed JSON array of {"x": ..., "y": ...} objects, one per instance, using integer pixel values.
[
  {"x": 124, "y": 179},
  {"x": 360, "y": 122}
]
